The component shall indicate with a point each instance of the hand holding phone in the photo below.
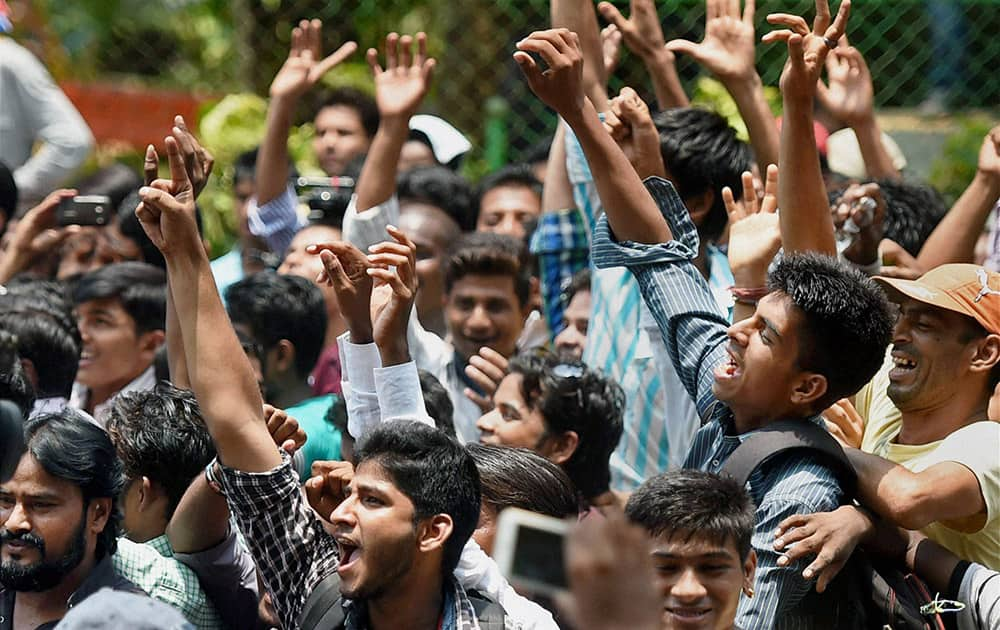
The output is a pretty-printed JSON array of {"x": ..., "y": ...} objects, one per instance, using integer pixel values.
[
  {"x": 529, "y": 551},
  {"x": 84, "y": 210}
]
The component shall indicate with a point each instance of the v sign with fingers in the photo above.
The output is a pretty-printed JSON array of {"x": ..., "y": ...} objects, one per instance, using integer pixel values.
[
  {"x": 807, "y": 49},
  {"x": 403, "y": 83},
  {"x": 166, "y": 209},
  {"x": 305, "y": 65}
]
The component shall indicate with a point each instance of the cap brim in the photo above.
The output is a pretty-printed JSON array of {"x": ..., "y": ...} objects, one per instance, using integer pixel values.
[{"x": 916, "y": 290}]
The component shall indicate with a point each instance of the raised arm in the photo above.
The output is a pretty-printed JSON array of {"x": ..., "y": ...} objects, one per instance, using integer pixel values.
[
  {"x": 631, "y": 211},
  {"x": 754, "y": 240},
  {"x": 851, "y": 99},
  {"x": 954, "y": 239},
  {"x": 806, "y": 224},
  {"x": 399, "y": 89},
  {"x": 579, "y": 17},
  {"x": 301, "y": 71},
  {"x": 728, "y": 51},
  {"x": 643, "y": 35},
  {"x": 220, "y": 373},
  {"x": 36, "y": 235}
]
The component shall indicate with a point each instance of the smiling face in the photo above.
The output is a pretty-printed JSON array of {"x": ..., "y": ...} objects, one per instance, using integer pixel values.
[
  {"x": 484, "y": 310},
  {"x": 701, "y": 581},
  {"x": 761, "y": 377},
  {"x": 931, "y": 349},
  {"x": 573, "y": 338},
  {"x": 113, "y": 352},
  {"x": 340, "y": 137},
  {"x": 512, "y": 422},
  {"x": 375, "y": 532}
]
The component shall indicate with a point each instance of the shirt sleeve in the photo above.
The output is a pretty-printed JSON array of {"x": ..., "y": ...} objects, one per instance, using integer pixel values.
[
  {"x": 399, "y": 394},
  {"x": 691, "y": 323},
  {"x": 277, "y": 221},
  {"x": 229, "y": 577},
  {"x": 364, "y": 229},
  {"x": 976, "y": 447},
  {"x": 359, "y": 362},
  {"x": 980, "y": 591},
  {"x": 287, "y": 541}
]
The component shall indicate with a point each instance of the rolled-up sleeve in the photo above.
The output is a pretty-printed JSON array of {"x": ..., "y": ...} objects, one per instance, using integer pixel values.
[{"x": 277, "y": 221}]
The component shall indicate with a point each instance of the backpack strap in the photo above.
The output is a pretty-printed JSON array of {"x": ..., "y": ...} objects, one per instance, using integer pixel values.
[
  {"x": 780, "y": 437},
  {"x": 323, "y": 608},
  {"x": 489, "y": 613}
]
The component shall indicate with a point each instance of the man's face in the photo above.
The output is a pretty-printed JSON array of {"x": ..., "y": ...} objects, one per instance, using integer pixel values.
[
  {"x": 375, "y": 532},
  {"x": 512, "y": 422},
  {"x": 92, "y": 248},
  {"x": 340, "y": 137},
  {"x": 43, "y": 528},
  {"x": 243, "y": 190},
  {"x": 701, "y": 581},
  {"x": 573, "y": 338},
  {"x": 931, "y": 351},
  {"x": 509, "y": 209},
  {"x": 484, "y": 311},
  {"x": 113, "y": 353},
  {"x": 415, "y": 154},
  {"x": 432, "y": 231},
  {"x": 758, "y": 380}
]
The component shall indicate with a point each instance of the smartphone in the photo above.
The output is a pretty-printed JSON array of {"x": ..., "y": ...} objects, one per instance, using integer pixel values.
[
  {"x": 84, "y": 210},
  {"x": 529, "y": 551}
]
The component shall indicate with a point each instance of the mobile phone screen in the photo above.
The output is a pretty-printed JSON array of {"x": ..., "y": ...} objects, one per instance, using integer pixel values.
[{"x": 538, "y": 556}]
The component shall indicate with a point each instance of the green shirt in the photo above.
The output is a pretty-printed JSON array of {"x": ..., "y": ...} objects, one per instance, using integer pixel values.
[{"x": 323, "y": 439}]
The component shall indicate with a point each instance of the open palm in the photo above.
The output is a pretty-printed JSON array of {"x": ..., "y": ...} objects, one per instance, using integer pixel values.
[
  {"x": 305, "y": 65},
  {"x": 403, "y": 83},
  {"x": 728, "y": 48}
]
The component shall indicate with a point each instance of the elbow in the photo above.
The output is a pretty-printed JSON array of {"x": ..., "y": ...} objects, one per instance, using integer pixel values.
[{"x": 909, "y": 508}]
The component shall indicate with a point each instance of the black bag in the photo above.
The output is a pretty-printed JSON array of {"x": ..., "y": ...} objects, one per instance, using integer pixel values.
[
  {"x": 324, "y": 609},
  {"x": 868, "y": 592}
]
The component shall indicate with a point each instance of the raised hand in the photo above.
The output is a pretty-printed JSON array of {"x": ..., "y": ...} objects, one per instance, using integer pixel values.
[
  {"x": 641, "y": 31},
  {"x": 611, "y": 48},
  {"x": 560, "y": 86},
  {"x": 486, "y": 370},
  {"x": 198, "y": 162},
  {"x": 402, "y": 85},
  {"x": 867, "y": 221},
  {"x": 850, "y": 96},
  {"x": 754, "y": 229},
  {"x": 166, "y": 209},
  {"x": 346, "y": 270},
  {"x": 36, "y": 234},
  {"x": 327, "y": 486},
  {"x": 829, "y": 536},
  {"x": 305, "y": 65},
  {"x": 631, "y": 125},
  {"x": 728, "y": 48},
  {"x": 989, "y": 154},
  {"x": 807, "y": 50},
  {"x": 394, "y": 263},
  {"x": 284, "y": 429}
]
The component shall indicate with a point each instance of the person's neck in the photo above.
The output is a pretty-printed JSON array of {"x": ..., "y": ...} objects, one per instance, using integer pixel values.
[
  {"x": 101, "y": 394},
  {"x": 51, "y": 604},
  {"x": 416, "y": 604},
  {"x": 291, "y": 394},
  {"x": 923, "y": 426},
  {"x": 747, "y": 422}
]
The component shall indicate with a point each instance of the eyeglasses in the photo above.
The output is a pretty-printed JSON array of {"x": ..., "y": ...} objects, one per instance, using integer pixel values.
[{"x": 569, "y": 374}]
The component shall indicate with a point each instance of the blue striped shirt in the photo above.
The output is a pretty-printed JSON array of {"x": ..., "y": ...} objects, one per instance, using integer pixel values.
[{"x": 694, "y": 333}]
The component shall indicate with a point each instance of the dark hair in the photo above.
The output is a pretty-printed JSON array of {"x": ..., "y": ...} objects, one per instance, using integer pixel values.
[
  {"x": 510, "y": 175},
  {"x": 277, "y": 307},
  {"x": 47, "y": 336},
  {"x": 245, "y": 166},
  {"x": 140, "y": 287},
  {"x": 14, "y": 383},
  {"x": 437, "y": 402},
  {"x": 846, "y": 321},
  {"x": 336, "y": 414},
  {"x": 131, "y": 228},
  {"x": 694, "y": 504},
  {"x": 701, "y": 152},
  {"x": 160, "y": 434},
  {"x": 580, "y": 281},
  {"x": 587, "y": 403},
  {"x": 357, "y": 100},
  {"x": 913, "y": 210},
  {"x": 8, "y": 194},
  {"x": 441, "y": 187},
  {"x": 538, "y": 152},
  {"x": 116, "y": 181},
  {"x": 433, "y": 471},
  {"x": 521, "y": 478},
  {"x": 489, "y": 254},
  {"x": 74, "y": 448}
]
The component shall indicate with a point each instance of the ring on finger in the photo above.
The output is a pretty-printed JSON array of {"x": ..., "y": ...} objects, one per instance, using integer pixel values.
[{"x": 830, "y": 42}]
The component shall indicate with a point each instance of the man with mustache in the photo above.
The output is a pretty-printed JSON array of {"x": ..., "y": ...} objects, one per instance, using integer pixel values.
[{"x": 58, "y": 522}]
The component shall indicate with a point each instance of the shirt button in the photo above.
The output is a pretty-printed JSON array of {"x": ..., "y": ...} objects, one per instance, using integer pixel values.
[{"x": 715, "y": 462}]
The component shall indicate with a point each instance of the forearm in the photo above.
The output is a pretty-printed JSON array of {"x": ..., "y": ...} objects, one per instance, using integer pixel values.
[
  {"x": 931, "y": 562},
  {"x": 272, "y": 160},
  {"x": 631, "y": 211},
  {"x": 557, "y": 191},
  {"x": 666, "y": 84},
  {"x": 11, "y": 264},
  {"x": 201, "y": 520},
  {"x": 579, "y": 16},
  {"x": 176, "y": 361},
  {"x": 764, "y": 138},
  {"x": 954, "y": 239},
  {"x": 878, "y": 162},
  {"x": 806, "y": 224},
  {"x": 377, "y": 181}
]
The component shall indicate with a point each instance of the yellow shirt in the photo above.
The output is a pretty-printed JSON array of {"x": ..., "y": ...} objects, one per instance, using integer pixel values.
[{"x": 976, "y": 446}]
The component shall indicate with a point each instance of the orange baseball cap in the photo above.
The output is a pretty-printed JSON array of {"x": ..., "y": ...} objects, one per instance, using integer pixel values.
[{"x": 966, "y": 289}]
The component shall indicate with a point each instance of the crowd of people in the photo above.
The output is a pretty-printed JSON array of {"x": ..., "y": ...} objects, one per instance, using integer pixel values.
[{"x": 761, "y": 378}]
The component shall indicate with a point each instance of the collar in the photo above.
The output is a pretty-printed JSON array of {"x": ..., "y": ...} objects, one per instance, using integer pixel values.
[
  {"x": 162, "y": 545},
  {"x": 81, "y": 393}
]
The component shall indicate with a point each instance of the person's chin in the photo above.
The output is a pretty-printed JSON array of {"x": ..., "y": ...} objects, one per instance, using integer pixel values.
[{"x": 688, "y": 619}]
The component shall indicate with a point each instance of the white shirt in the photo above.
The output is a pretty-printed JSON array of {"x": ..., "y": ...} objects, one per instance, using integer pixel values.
[{"x": 81, "y": 394}]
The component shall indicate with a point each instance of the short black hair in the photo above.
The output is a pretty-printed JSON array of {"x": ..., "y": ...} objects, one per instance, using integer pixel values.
[
  {"x": 245, "y": 166},
  {"x": 160, "y": 434},
  {"x": 433, "y": 471},
  {"x": 140, "y": 287},
  {"x": 509, "y": 175},
  {"x": 357, "y": 100},
  {"x": 580, "y": 281},
  {"x": 437, "y": 402},
  {"x": 14, "y": 383},
  {"x": 277, "y": 307},
  {"x": 47, "y": 336},
  {"x": 489, "y": 254},
  {"x": 847, "y": 320},
  {"x": 115, "y": 180},
  {"x": 694, "y": 504},
  {"x": 913, "y": 210},
  {"x": 8, "y": 194},
  {"x": 441, "y": 187},
  {"x": 585, "y": 402},
  {"x": 72, "y": 447},
  {"x": 521, "y": 478},
  {"x": 131, "y": 228},
  {"x": 701, "y": 152}
]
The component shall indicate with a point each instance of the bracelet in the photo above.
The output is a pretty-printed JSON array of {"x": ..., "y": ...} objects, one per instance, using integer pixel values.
[{"x": 747, "y": 296}]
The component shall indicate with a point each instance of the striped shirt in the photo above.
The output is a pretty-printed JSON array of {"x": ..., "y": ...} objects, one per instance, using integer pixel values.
[{"x": 694, "y": 333}]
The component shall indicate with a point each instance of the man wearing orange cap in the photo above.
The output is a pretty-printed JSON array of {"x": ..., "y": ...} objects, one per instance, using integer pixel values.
[{"x": 930, "y": 458}]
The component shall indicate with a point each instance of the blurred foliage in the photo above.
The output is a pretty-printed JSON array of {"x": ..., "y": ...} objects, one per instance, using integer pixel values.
[
  {"x": 956, "y": 166},
  {"x": 711, "y": 94}
]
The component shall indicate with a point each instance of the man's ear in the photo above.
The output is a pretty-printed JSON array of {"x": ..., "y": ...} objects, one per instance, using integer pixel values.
[
  {"x": 146, "y": 495},
  {"x": 559, "y": 448},
  {"x": 810, "y": 388},
  {"x": 284, "y": 356},
  {"x": 434, "y": 532},
  {"x": 150, "y": 342},
  {"x": 98, "y": 514},
  {"x": 699, "y": 205},
  {"x": 987, "y": 354},
  {"x": 749, "y": 571}
]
